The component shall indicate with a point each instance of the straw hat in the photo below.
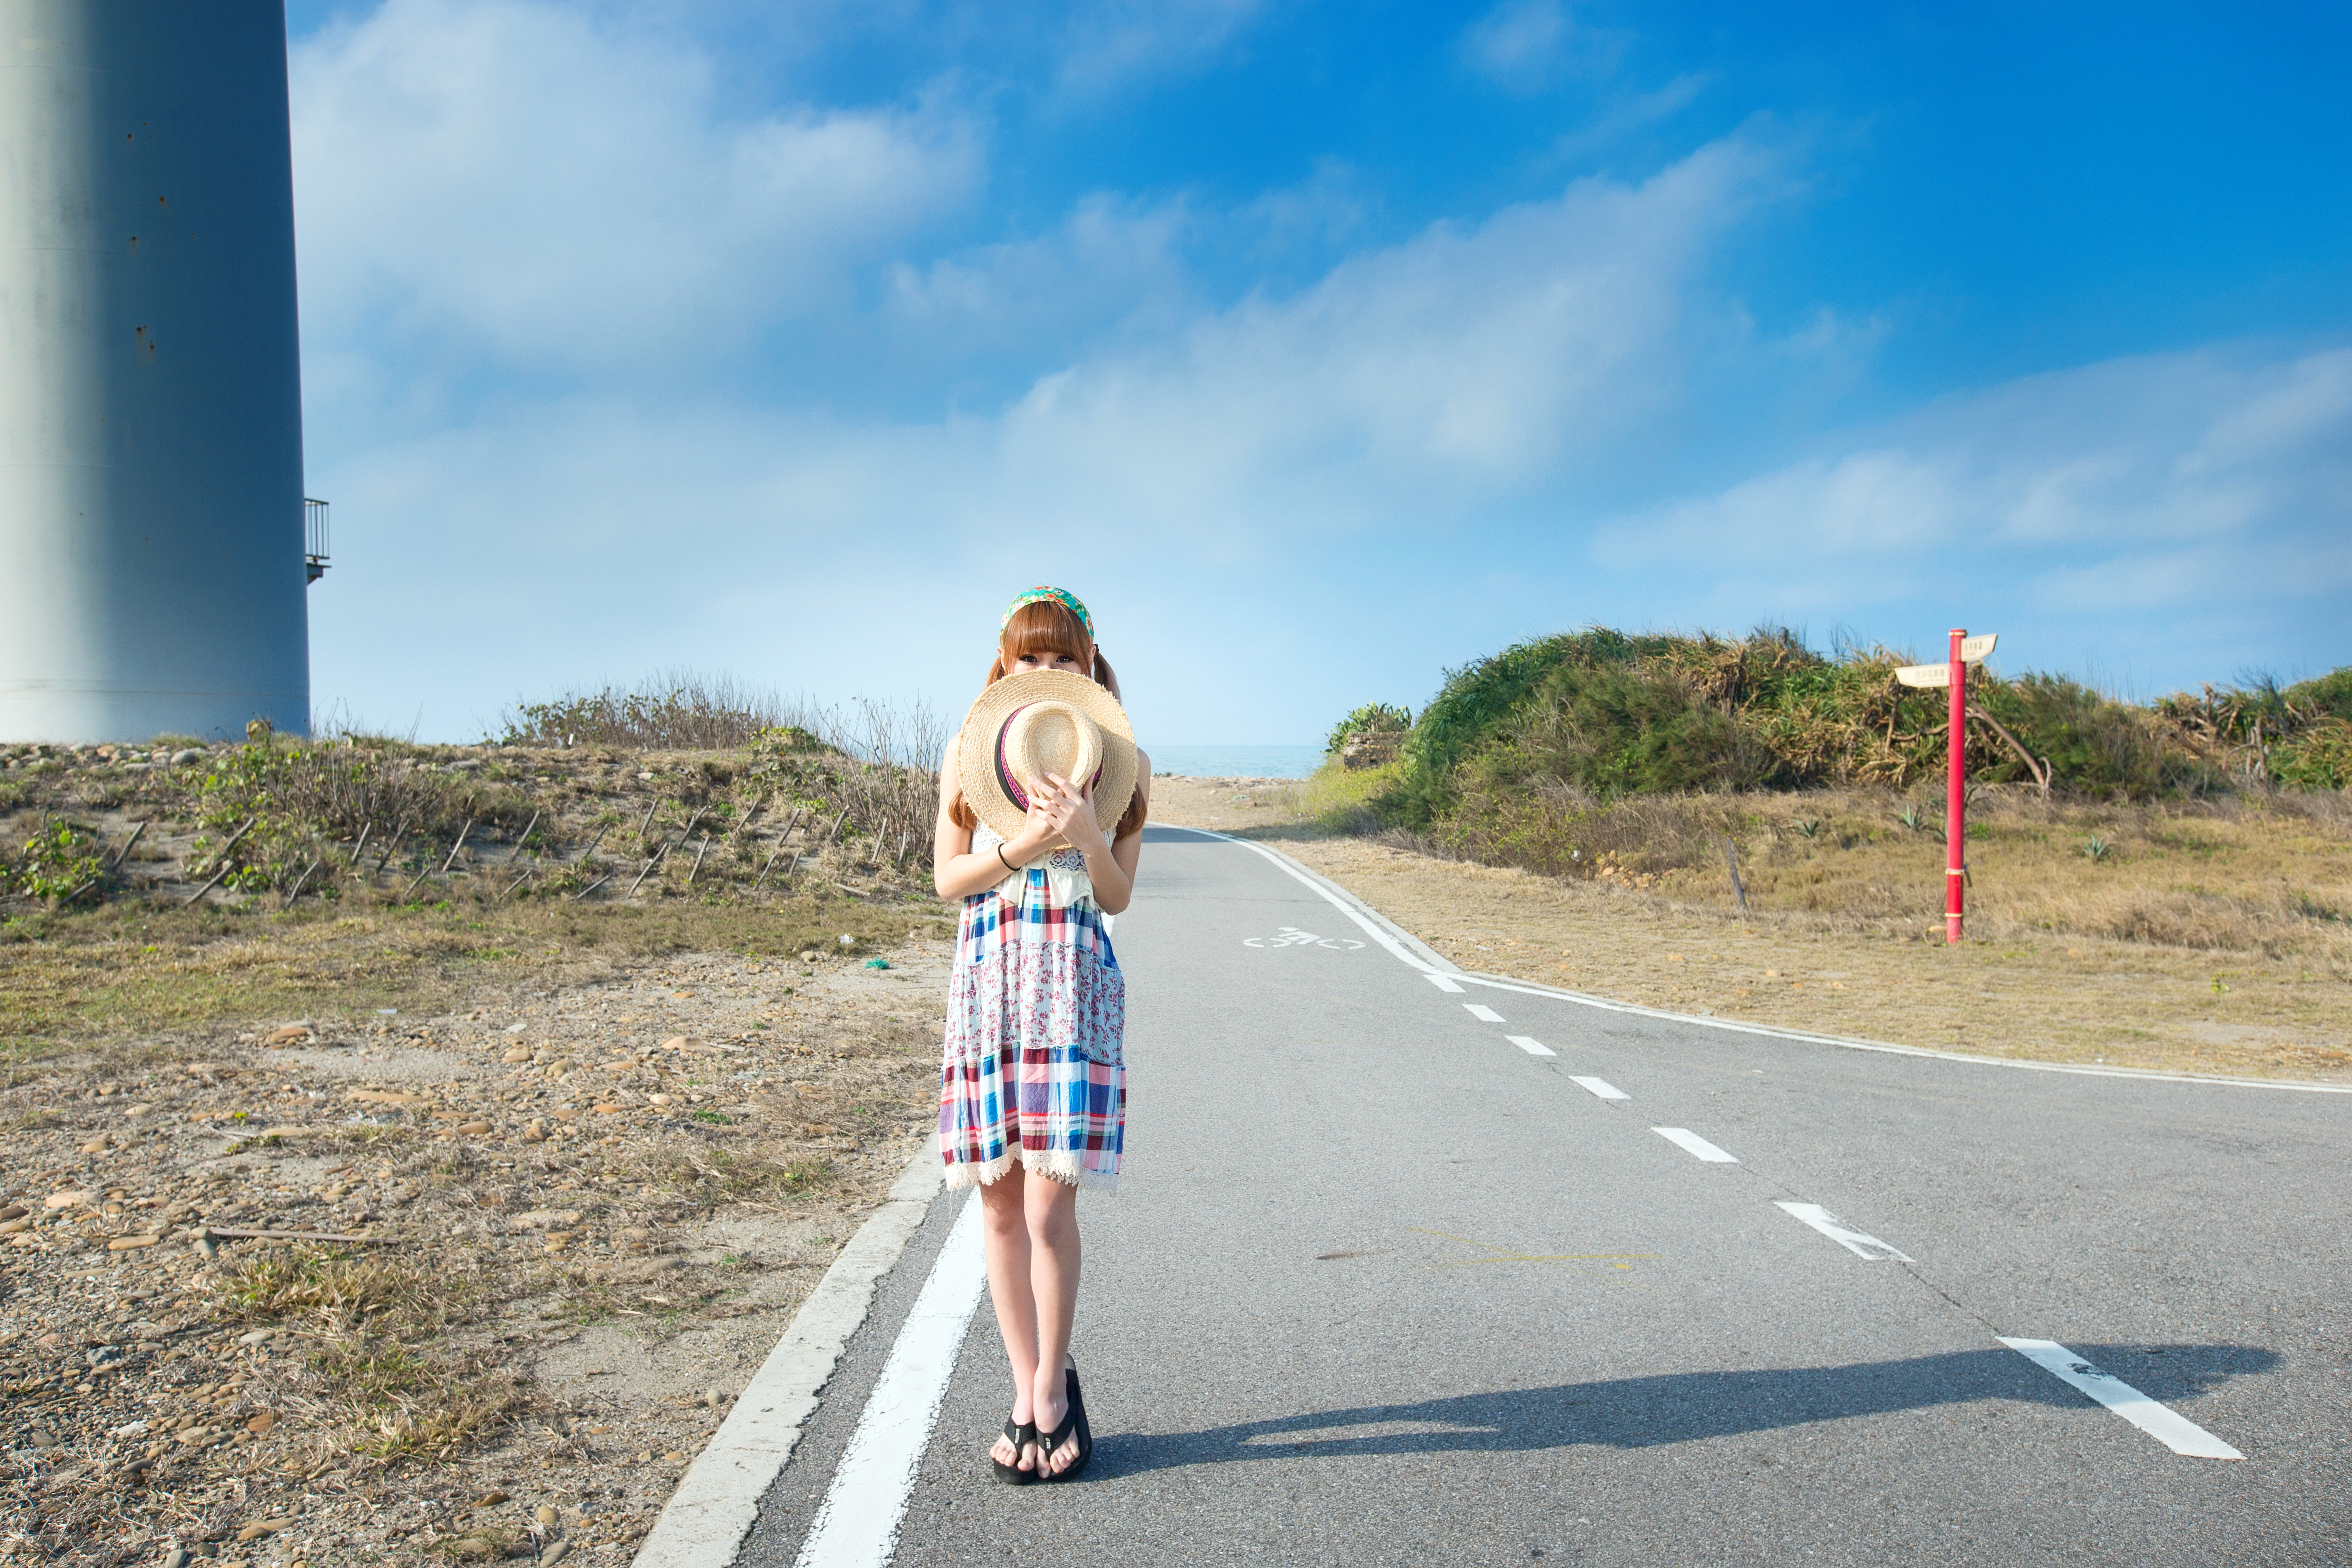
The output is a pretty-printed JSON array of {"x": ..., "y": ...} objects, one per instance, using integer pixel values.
[{"x": 1045, "y": 720}]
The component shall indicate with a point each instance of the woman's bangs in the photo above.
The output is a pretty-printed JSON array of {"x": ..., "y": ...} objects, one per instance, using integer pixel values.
[{"x": 1045, "y": 627}]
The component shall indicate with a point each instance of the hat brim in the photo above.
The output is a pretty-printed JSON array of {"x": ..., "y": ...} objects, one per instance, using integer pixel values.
[{"x": 976, "y": 746}]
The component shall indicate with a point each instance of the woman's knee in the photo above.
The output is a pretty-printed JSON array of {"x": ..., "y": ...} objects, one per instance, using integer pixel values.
[
  {"x": 1002, "y": 1208},
  {"x": 1053, "y": 1212}
]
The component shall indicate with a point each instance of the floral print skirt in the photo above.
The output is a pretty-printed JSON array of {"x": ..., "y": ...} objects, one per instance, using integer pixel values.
[{"x": 1032, "y": 1070}]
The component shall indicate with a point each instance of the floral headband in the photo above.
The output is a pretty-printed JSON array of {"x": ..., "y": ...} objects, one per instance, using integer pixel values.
[{"x": 1042, "y": 595}]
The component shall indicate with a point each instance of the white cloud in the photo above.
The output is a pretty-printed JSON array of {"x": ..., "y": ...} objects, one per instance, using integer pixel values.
[
  {"x": 1115, "y": 40},
  {"x": 2157, "y": 482},
  {"x": 1205, "y": 460},
  {"x": 1525, "y": 45},
  {"x": 535, "y": 181},
  {"x": 1468, "y": 361}
]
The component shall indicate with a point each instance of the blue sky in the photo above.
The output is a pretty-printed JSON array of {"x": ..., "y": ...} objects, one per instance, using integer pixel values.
[{"x": 1319, "y": 347}]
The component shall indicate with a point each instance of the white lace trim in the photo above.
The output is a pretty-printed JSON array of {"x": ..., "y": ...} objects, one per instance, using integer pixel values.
[{"x": 1065, "y": 872}]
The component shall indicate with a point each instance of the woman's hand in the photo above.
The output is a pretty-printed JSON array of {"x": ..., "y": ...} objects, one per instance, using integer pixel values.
[{"x": 1059, "y": 811}]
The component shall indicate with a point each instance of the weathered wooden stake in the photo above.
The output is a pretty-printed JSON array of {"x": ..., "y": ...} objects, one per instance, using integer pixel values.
[{"x": 122, "y": 853}]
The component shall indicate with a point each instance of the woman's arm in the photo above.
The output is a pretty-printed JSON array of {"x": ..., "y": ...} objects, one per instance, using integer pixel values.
[
  {"x": 1070, "y": 814},
  {"x": 956, "y": 871}
]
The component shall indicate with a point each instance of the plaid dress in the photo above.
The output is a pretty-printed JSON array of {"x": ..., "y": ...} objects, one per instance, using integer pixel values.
[{"x": 1037, "y": 1008}]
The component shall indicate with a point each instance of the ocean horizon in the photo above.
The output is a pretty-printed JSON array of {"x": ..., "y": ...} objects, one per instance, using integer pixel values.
[{"x": 1236, "y": 761}]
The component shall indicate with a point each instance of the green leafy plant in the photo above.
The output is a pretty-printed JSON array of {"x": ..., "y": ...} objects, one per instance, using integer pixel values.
[
  {"x": 2095, "y": 847},
  {"x": 1371, "y": 718},
  {"x": 55, "y": 863}
]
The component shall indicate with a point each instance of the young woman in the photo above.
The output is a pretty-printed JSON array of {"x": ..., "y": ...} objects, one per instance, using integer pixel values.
[{"x": 1033, "y": 1093}]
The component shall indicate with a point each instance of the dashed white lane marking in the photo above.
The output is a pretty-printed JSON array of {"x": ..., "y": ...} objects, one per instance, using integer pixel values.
[
  {"x": 1442, "y": 983},
  {"x": 856, "y": 1526},
  {"x": 1607, "y": 1091},
  {"x": 1853, "y": 1241},
  {"x": 1696, "y": 1144},
  {"x": 2161, "y": 1422},
  {"x": 1533, "y": 1048},
  {"x": 1482, "y": 1012}
]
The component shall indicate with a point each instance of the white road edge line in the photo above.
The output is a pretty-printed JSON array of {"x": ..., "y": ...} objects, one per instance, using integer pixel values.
[
  {"x": 718, "y": 1499},
  {"x": 1601, "y": 1086},
  {"x": 1482, "y": 1012},
  {"x": 1533, "y": 1048},
  {"x": 1859, "y": 1243},
  {"x": 856, "y": 1526},
  {"x": 1407, "y": 947},
  {"x": 1443, "y": 981},
  {"x": 1733, "y": 1026},
  {"x": 2161, "y": 1422},
  {"x": 1686, "y": 1139},
  {"x": 1396, "y": 939}
]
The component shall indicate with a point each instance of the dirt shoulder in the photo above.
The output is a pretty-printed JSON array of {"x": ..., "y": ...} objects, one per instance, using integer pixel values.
[
  {"x": 1864, "y": 964},
  {"x": 583, "y": 1212}
]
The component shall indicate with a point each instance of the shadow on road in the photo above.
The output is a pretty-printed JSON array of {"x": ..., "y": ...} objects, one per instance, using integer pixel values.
[{"x": 1678, "y": 1407}]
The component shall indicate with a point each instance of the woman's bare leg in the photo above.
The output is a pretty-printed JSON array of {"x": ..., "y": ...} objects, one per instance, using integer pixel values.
[
  {"x": 1052, "y": 1212},
  {"x": 1004, "y": 1232}
]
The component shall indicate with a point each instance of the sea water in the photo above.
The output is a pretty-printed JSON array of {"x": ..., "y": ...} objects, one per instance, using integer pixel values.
[{"x": 1235, "y": 761}]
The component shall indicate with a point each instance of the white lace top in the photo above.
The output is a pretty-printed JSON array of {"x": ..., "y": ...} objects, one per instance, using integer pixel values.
[{"x": 1065, "y": 870}]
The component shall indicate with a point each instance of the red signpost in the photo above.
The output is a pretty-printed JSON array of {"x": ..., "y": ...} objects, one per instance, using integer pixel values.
[
  {"x": 1965, "y": 652},
  {"x": 1956, "y": 792}
]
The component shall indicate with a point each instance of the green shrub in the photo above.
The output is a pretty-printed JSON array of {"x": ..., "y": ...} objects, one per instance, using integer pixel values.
[{"x": 1371, "y": 718}]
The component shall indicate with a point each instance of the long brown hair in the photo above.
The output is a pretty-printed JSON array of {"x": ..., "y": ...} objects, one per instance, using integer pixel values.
[{"x": 1048, "y": 626}]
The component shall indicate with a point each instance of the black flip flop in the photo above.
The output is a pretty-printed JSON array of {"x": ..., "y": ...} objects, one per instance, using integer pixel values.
[
  {"x": 1022, "y": 1435},
  {"x": 1072, "y": 1431}
]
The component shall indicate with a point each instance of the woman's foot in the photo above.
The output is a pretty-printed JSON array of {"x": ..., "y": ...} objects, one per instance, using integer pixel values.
[
  {"x": 1062, "y": 1416},
  {"x": 1014, "y": 1454}
]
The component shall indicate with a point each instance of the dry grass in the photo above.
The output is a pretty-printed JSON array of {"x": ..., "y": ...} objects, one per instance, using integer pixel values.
[
  {"x": 595, "y": 1202},
  {"x": 2210, "y": 938}
]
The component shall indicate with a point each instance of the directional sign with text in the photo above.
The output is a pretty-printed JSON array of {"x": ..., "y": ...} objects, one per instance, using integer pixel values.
[{"x": 1973, "y": 651}]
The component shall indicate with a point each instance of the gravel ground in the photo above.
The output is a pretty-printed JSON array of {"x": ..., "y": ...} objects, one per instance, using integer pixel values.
[{"x": 582, "y": 1215}]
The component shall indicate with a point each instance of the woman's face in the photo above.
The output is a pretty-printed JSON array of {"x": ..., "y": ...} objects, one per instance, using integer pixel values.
[{"x": 1029, "y": 661}]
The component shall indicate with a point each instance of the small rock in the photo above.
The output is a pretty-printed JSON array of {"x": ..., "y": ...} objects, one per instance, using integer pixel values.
[
  {"x": 287, "y": 1034},
  {"x": 517, "y": 1054},
  {"x": 546, "y": 1517},
  {"x": 176, "y": 1558},
  {"x": 261, "y": 1527},
  {"x": 554, "y": 1553},
  {"x": 96, "y": 1145},
  {"x": 475, "y": 1126},
  {"x": 471, "y": 1549},
  {"x": 132, "y": 1243},
  {"x": 490, "y": 1499},
  {"x": 676, "y": 1043},
  {"x": 41, "y": 1438},
  {"x": 67, "y": 1200},
  {"x": 536, "y": 1132},
  {"x": 261, "y": 1422},
  {"x": 659, "y": 1099},
  {"x": 181, "y": 758},
  {"x": 808, "y": 955},
  {"x": 516, "y": 1028}
]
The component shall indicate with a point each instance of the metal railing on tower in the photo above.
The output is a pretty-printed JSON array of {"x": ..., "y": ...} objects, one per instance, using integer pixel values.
[{"x": 314, "y": 538}]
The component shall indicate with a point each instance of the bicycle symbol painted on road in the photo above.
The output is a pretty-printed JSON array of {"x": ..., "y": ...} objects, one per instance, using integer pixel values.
[{"x": 1291, "y": 936}]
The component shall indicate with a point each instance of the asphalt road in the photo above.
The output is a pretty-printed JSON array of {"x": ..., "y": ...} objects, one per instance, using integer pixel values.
[{"x": 1382, "y": 1286}]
